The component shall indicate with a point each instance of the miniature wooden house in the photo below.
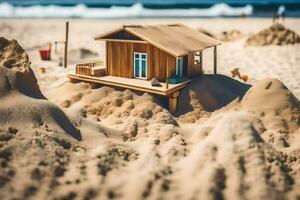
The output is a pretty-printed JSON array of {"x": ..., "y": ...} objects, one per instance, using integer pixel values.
[
  {"x": 160, "y": 51},
  {"x": 135, "y": 54}
]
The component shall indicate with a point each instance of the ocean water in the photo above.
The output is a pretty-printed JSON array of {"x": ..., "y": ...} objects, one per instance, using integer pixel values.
[{"x": 145, "y": 8}]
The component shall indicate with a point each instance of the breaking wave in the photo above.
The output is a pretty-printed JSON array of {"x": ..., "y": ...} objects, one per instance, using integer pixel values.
[{"x": 136, "y": 10}]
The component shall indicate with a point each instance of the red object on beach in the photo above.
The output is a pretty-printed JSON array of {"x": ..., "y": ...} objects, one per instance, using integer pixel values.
[{"x": 45, "y": 54}]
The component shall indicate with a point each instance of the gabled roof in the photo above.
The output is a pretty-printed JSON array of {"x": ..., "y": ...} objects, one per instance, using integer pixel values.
[{"x": 176, "y": 39}]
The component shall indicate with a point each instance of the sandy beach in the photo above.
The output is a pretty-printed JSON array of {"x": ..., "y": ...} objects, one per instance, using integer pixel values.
[{"x": 229, "y": 139}]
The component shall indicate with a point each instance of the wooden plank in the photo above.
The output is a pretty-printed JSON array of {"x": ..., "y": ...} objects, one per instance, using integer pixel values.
[
  {"x": 66, "y": 45},
  {"x": 130, "y": 84},
  {"x": 173, "y": 101},
  {"x": 140, "y": 47},
  {"x": 172, "y": 65},
  {"x": 149, "y": 59},
  {"x": 119, "y": 40},
  {"x": 201, "y": 62},
  {"x": 190, "y": 64},
  {"x": 167, "y": 75},
  {"x": 121, "y": 60},
  {"x": 153, "y": 43},
  {"x": 131, "y": 71},
  {"x": 106, "y": 58},
  {"x": 215, "y": 59}
]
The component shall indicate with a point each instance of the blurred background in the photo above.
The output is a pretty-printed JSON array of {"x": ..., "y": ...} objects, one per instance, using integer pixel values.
[{"x": 146, "y": 8}]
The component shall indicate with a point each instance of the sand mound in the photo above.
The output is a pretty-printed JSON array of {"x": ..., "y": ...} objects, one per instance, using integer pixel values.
[
  {"x": 33, "y": 146},
  {"x": 210, "y": 92},
  {"x": 231, "y": 35},
  {"x": 276, "y": 34},
  {"x": 278, "y": 108},
  {"x": 234, "y": 162},
  {"x": 271, "y": 99},
  {"x": 36, "y": 158},
  {"x": 15, "y": 73},
  {"x": 135, "y": 115},
  {"x": 206, "y": 32},
  {"x": 22, "y": 103}
]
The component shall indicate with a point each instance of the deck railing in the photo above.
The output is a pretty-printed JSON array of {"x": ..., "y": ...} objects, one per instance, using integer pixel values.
[{"x": 92, "y": 68}]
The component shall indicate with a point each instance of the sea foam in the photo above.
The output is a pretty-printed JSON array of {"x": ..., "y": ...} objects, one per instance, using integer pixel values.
[{"x": 136, "y": 10}]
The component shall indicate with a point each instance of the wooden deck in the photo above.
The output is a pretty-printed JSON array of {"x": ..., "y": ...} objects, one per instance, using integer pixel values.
[{"x": 134, "y": 84}]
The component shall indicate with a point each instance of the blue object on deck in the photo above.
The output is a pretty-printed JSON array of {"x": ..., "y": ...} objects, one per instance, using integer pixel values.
[{"x": 175, "y": 79}]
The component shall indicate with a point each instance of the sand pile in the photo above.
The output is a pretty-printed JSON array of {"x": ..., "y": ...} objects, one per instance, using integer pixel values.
[
  {"x": 22, "y": 102},
  {"x": 207, "y": 93},
  {"x": 206, "y": 32},
  {"x": 15, "y": 71},
  {"x": 277, "y": 107},
  {"x": 34, "y": 149},
  {"x": 32, "y": 161},
  {"x": 276, "y": 34},
  {"x": 135, "y": 115},
  {"x": 269, "y": 98},
  {"x": 227, "y": 155},
  {"x": 234, "y": 162},
  {"x": 231, "y": 35}
]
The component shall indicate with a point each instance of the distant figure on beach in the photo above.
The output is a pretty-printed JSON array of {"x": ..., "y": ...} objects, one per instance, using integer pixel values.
[{"x": 280, "y": 14}]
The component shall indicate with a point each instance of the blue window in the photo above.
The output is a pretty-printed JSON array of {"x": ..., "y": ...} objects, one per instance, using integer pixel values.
[
  {"x": 143, "y": 68},
  {"x": 179, "y": 66},
  {"x": 136, "y": 67},
  {"x": 140, "y": 65}
]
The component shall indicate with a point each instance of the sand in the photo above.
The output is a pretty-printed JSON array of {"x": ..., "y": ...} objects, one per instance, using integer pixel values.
[
  {"x": 276, "y": 34},
  {"x": 228, "y": 140}
]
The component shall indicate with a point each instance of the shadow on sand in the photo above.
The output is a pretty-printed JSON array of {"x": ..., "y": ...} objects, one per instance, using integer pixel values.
[
  {"x": 213, "y": 92},
  {"x": 64, "y": 122}
]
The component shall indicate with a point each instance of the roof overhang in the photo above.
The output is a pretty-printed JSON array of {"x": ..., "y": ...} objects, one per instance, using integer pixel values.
[{"x": 144, "y": 39}]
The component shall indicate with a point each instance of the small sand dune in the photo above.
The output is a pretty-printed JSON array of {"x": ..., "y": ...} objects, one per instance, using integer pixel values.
[
  {"x": 276, "y": 34},
  {"x": 230, "y": 35},
  {"x": 22, "y": 103}
]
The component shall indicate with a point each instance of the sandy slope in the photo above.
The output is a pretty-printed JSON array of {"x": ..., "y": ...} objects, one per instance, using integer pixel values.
[{"x": 124, "y": 145}]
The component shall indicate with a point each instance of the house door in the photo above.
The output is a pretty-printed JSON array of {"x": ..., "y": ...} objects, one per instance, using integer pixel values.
[
  {"x": 140, "y": 65},
  {"x": 179, "y": 66}
]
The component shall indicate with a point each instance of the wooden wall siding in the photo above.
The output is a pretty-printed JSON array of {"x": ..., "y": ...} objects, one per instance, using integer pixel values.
[
  {"x": 185, "y": 65},
  {"x": 158, "y": 63},
  {"x": 120, "y": 60},
  {"x": 194, "y": 70},
  {"x": 138, "y": 47}
]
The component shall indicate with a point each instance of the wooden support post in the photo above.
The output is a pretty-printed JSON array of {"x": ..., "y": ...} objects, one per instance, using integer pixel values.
[
  {"x": 73, "y": 80},
  {"x": 106, "y": 58},
  {"x": 201, "y": 62},
  {"x": 94, "y": 85},
  {"x": 173, "y": 101},
  {"x": 66, "y": 45},
  {"x": 215, "y": 59},
  {"x": 190, "y": 64},
  {"x": 167, "y": 75}
]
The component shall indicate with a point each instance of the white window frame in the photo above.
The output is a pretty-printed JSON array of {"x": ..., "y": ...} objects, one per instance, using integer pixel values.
[
  {"x": 181, "y": 66},
  {"x": 140, "y": 64},
  {"x": 197, "y": 57}
]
